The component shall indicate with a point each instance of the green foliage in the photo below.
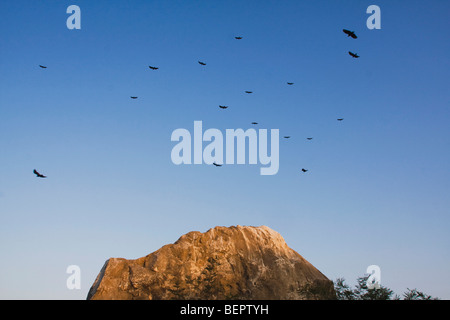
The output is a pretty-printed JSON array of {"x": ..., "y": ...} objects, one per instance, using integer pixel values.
[
  {"x": 343, "y": 290},
  {"x": 316, "y": 290},
  {"x": 183, "y": 289},
  {"x": 416, "y": 295},
  {"x": 178, "y": 293},
  {"x": 210, "y": 279},
  {"x": 362, "y": 292}
]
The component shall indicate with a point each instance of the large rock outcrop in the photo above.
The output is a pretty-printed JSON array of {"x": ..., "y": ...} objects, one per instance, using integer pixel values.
[{"x": 223, "y": 263}]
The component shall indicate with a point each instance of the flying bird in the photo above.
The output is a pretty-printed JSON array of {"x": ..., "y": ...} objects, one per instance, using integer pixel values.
[
  {"x": 133, "y": 97},
  {"x": 350, "y": 33},
  {"x": 309, "y": 138},
  {"x": 223, "y": 107},
  {"x": 38, "y": 174},
  {"x": 304, "y": 170},
  {"x": 248, "y": 91},
  {"x": 254, "y": 122},
  {"x": 286, "y": 137},
  {"x": 43, "y": 67},
  {"x": 290, "y": 83},
  {"x": 217, "y": 165},
  {"x": 354, "y": 55},
  {"x": 340, "y": 119},
  {"x": 238, "y": 38},
  {"x": 153, "y": 68},
  {"x": 202, "y": 63}
]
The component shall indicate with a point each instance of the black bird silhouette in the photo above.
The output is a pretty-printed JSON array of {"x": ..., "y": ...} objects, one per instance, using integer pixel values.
[
  {"x": 202, "y": 63},
  {"x": 309, "y": 138},
  {"x": 223, "y": 107},
  {"x": 286, "y": 137},
  {"x": 340, "y": 119},
  {"x": 248, "y": 91},
  {"x": 133, "y": 97},
  {"x": 38, "y": 174},
  {"x": 354, "y": 55},
  {"x": 290, "y": 83},
  {"x": 238, "y": 38},
  {"x": 217, "y": 165},
  {"x": 153, "y": 68},
  {"x": 350, "y": 33},
  {"x": 304, "y": 170},
  {"x": 43, "y": 67},
  {"x": 254, "y": 122}
]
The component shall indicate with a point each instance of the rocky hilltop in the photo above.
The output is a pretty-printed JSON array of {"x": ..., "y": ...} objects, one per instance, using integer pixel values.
[{"x": 238, "y": 262}]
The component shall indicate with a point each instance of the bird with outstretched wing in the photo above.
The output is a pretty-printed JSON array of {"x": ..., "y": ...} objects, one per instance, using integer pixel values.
[
  {"x": 350, "y": 33},
  {"x": 38, "y": 174}
]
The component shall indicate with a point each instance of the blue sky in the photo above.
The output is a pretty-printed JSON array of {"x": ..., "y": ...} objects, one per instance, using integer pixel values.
[{"x": 378, "y": 183}]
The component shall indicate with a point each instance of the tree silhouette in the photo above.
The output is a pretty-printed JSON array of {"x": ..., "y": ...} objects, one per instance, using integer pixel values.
[
  {"x": 362, "y": 292},
  {"x": 416, "y": 295}
]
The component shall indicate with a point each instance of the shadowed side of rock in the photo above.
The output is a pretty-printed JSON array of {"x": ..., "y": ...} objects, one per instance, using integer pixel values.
[{"x": 252, "y": 263}]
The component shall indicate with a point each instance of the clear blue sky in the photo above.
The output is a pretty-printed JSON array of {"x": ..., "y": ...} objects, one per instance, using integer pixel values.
[{"x": 378, "y": 185}]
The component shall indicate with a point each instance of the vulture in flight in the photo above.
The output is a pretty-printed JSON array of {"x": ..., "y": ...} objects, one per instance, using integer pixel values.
[
  {"x": 217, "y": 165},
  {"x": 309, "y": 138},
  {"x": 38, "y": 174},
  {"x": 254, "y": 122},
  {"x": 304, "y": 170},
  {"x": 133, "y": 97},
  {"x": 290, "y": 83},
  {"x": 223, "y": 107},
  {"x": 153, "y": 68},
  {"x": 287, "y": 137},
  {"x": 43, "y": 67},
  {"x": 350, "y": 33},
  {"x": 340, "y": 119},
  {"x": 354, "y": 55},
  {"x": 238, "y": 38},
  {"x": 248, "y": 91},
  {"x": 202, "y": 63}
]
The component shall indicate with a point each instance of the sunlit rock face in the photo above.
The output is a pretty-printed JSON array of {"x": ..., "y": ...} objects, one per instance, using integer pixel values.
[{"x": 239, "y": 262}]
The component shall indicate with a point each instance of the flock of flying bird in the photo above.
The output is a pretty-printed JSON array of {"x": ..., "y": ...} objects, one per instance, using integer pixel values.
[{"x": 354, "y": 55}]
